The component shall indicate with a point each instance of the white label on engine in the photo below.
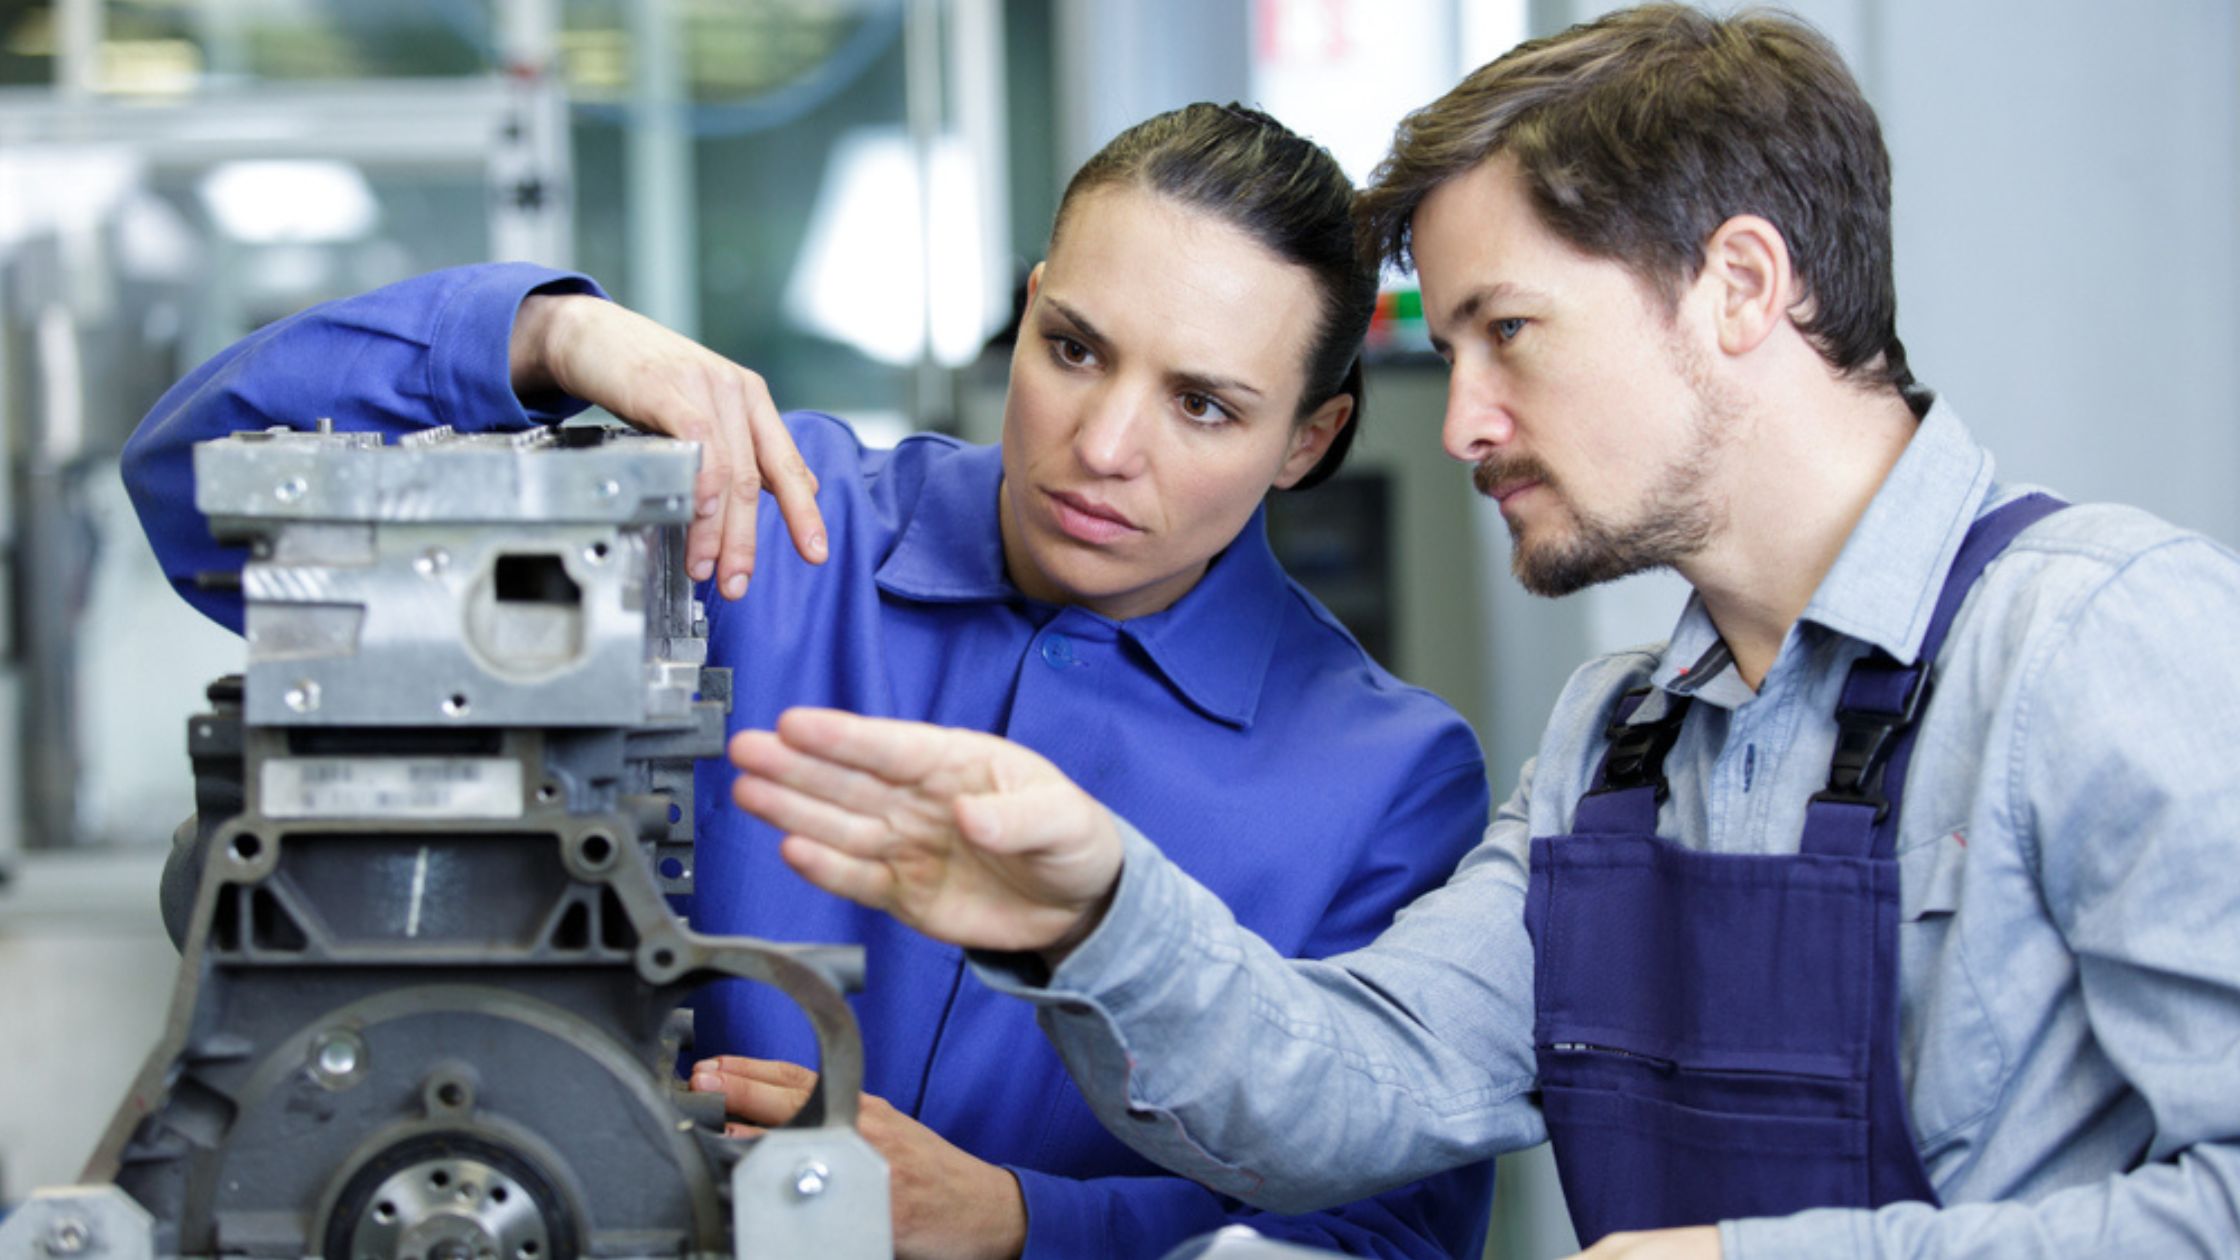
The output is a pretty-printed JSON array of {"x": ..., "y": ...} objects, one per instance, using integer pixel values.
[{"x": 390, "y": 787}]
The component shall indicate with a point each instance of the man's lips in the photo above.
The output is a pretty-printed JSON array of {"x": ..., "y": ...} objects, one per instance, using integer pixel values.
[
  {"x": 1088, "y": 520},
  {"x": 1503, "y": 491}
]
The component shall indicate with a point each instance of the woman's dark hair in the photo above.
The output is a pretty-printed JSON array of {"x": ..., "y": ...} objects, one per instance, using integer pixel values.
[{"x": 1280, "y": 189}]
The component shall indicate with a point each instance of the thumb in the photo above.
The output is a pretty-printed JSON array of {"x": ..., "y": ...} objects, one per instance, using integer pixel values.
[{"x": 1056, "y": 818}]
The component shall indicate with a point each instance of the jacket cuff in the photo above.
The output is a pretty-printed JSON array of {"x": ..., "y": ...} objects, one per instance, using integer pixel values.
[{"x": 470, "y": 377}]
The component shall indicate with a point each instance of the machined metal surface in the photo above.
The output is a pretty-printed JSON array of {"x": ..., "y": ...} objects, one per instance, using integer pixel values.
[
  {"x": 455, "y": 580},
  {"x": 432, "y": 988}
]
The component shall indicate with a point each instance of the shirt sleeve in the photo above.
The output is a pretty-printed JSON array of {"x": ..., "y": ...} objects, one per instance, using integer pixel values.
[
  {"x": 1440, "y": 1215},
  {"x": 1293, "y": 1084},
  {"x": 2122, "y": 786},
  {"x": 423, "y": 352}
]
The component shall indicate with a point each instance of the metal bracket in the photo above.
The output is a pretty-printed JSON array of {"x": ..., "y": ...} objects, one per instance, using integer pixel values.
[{"x": 811, "y": 1192}]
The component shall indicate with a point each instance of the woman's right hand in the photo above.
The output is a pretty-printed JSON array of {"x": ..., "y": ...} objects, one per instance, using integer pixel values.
[
  {"x": 964, "y": 836},
  {"x": 664, "y": 382}
]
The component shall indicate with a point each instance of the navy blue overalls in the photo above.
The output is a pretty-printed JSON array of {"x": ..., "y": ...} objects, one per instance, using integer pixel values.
[{"x": 1717, "y": 1033}]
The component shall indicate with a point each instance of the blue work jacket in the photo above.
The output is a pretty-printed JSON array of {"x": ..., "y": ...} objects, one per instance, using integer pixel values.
[{"x": 1317, "y": 792}]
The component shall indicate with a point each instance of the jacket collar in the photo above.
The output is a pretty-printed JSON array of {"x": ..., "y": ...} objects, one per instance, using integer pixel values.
[{"x": 1214, "y": 645}]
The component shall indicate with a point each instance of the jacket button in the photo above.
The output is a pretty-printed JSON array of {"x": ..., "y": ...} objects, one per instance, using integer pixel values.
[{"x": 1057, "y": 651}]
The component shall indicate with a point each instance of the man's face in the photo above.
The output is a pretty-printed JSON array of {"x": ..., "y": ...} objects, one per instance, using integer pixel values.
[{"x": 1583, "y": 402}]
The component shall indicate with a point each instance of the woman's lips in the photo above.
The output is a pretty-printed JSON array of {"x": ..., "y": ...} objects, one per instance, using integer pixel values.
[{"x": 1087, "y": 520}]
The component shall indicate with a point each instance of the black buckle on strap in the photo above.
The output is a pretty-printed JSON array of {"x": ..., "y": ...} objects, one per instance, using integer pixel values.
[
  {"x": 1863, "y": 741},
  {"x": 1638, "y": 749}
]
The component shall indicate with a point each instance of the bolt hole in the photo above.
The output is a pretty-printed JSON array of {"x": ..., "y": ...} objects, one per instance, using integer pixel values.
[
  {"x": 672, "y": 868},
  {"x": 439, "y": 1179},
  {"x": 664, "y": 958},
  {"x": 529, "y": 1249},
  {"x": 455, "y": 705},
  {"x": 499, "y": 1194},
  {"x": 598, "y": 849},
  {"x": 549, "y": 793},
  {"x": 247, "y": 846},
  {"x": 451, "y": 1094},
  {"x": 384, "y": 1211},
  {"x": 676, "y": 812}
]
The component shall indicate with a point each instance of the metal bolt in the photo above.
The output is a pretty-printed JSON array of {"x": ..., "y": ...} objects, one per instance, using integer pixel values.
[
  {"x": 290, "y": 490},
  {"x": 68, "y": 1236},
  {"x": 431, "y": 562},
  {"x": 810, "y": 1179},
  {"x": 303, "y": 697}
]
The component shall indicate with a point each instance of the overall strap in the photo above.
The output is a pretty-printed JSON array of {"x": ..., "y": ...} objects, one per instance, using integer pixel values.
[
  {"x": 1630, "y": 784},
  {"x": 1856, "y": 815}
]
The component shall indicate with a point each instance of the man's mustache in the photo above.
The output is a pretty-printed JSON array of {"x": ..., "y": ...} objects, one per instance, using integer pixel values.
[{"x": 1495, "y": 471}]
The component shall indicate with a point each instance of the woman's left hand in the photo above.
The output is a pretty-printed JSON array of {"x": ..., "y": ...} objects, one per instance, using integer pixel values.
[
  {"x": 1694, "y": 1242},
  {"x": 947, "y": 1205}
]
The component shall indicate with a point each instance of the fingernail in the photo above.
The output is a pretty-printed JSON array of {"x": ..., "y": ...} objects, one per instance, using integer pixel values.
[
  {"x": 707, "y": 1082},
  {"x": 735, "y": 586},
  {"x": 702, "y": 570},
  {"x": 817, "y": 545},
  {"x": 709, "y": 505}
]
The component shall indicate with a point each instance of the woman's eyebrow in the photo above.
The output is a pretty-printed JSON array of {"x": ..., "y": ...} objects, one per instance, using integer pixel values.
[
  {"x": 1196, "y": 382},
  {"x": 1080, "y": 322}
]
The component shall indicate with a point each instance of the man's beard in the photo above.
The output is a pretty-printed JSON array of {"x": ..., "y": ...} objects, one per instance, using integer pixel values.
[{"x": 1675, "y": 518}]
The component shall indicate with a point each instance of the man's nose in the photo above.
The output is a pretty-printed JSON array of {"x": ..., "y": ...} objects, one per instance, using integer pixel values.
[{"x": 1478, "y": 421}]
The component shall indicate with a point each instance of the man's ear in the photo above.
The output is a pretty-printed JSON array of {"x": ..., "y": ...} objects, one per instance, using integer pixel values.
[
  {"x": 1751, "y": 286},
  {"x": 1312, "y": 437}
]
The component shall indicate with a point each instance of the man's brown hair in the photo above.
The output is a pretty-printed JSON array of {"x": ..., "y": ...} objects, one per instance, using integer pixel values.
[{"x": 1640, "y": 133}]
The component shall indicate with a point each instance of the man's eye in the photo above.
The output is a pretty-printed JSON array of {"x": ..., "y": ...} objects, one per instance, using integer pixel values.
[{"x": 1506, "y": 330}]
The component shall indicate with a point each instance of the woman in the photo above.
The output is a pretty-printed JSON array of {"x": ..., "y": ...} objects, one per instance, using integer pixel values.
[{"x": 1098, "y": 587}]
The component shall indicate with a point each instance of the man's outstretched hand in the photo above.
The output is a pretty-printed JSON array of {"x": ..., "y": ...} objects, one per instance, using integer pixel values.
[{"x": 964, "y": 836}]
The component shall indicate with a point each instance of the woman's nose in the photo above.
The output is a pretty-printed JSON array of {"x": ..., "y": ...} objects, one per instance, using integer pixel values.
[{"x": 1112, "y": 437}]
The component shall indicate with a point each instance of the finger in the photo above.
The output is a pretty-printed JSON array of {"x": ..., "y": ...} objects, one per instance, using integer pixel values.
[
  {"x": 1055, "y": 816},
  {"x": 890, "y": 749},
  {"x": 762, "y": 755},
  {"x": 786, "y": 474},
  {"x": 741, "y": 491},
  {"x": 754, "y": 1101},
  {"x": 703, "y": 539},
  {"x": 738, "y": 1130},
  {"x": 772, "y": 1071},
  {"x": 865, "y": 883},
  {"x": 793, "y": 813}
]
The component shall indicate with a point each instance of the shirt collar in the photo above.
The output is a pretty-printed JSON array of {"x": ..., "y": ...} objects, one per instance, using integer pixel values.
[
  {"x": 1214, "y": 644},
  {"x": 951, "y": 548},
  {"x": 1885, "y": 582}
]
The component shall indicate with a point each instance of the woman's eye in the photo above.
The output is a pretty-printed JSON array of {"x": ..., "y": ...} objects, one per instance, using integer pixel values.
[
  {"x": 1203, "y": 409},
  {"x": 1068, "y": 351},
  {"x": 1506, "y": 330}
]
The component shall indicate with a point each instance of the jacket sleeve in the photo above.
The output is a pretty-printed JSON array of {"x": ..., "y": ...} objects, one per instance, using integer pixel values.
[
  {"x": 423, "y": 352},
  {"x": 1445, "y": 1214}
]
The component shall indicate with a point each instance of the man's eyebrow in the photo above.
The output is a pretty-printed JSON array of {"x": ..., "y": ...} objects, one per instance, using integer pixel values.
[
  {"x": 1478, "y": 299},
  {"x": 1195, "y": 382}
]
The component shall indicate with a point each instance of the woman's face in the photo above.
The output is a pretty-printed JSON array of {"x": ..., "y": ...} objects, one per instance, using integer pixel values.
[{"x": 1154, "y": 400}]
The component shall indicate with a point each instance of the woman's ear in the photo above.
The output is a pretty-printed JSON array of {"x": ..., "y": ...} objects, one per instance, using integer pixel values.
[
  {"x": 1311, "y": 439},
  {"x": 1034, "y": 280}
]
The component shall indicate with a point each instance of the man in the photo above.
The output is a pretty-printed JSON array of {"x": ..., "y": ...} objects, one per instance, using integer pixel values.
[{"x": 1892, "y": 912}]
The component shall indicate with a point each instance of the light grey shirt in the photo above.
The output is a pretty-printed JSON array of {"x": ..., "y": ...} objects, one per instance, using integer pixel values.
[{"x": 2069, "y": 851}]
